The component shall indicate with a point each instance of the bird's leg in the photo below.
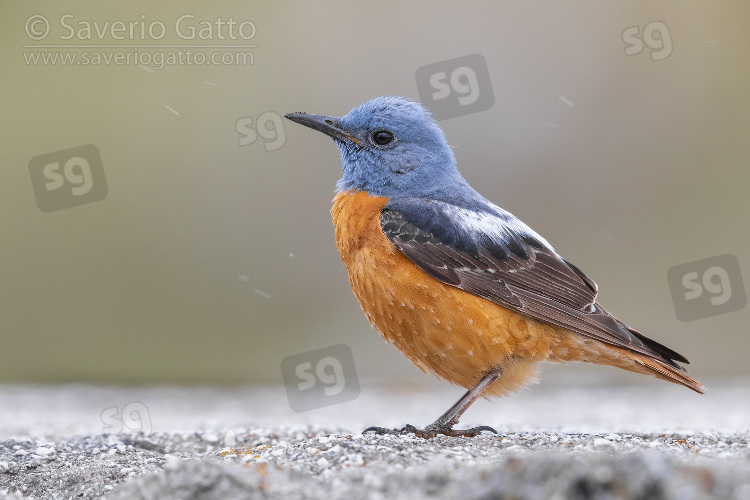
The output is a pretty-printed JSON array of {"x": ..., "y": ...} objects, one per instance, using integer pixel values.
[{"x": 444, "y": 424}]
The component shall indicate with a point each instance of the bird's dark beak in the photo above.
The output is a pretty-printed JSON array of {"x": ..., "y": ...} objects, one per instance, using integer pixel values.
[{"x": 329, "y": 125}]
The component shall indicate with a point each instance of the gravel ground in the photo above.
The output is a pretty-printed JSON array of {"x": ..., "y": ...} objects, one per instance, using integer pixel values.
[{"x": 556, "y": 441}]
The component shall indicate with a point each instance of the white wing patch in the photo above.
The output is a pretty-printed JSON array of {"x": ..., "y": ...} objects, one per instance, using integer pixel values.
[{"x": 498, "y": 226}]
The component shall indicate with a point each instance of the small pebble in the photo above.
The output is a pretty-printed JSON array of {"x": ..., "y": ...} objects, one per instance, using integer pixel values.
[
  {"x": 44, "y": 451},
  {"x": 602, "y": 442},
  {"x": 211, "y": 437}
]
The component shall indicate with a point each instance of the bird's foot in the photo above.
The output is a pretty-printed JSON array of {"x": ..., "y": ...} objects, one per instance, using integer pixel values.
[{"x": 431, "y": 431}]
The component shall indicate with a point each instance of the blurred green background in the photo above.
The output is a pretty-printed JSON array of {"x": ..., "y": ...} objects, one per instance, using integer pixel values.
[{"x": 210, "y": 261}]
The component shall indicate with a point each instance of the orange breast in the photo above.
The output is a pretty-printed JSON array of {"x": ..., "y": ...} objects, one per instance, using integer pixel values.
[{"x": 440, "y": 328}]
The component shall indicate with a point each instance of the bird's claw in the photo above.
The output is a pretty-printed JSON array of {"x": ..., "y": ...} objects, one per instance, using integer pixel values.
[
  {"x": 431, "y": 431},
  {"x": 382, "y": 430}
]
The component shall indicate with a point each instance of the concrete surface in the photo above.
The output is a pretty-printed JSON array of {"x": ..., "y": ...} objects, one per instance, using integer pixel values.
[{"x": 558, "y": 440}]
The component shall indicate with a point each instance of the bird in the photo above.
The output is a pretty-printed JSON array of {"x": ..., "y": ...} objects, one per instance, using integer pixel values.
[{"x": 463, "y": 288}]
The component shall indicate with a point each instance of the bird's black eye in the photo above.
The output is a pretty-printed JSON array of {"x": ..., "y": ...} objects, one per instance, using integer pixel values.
[{"x": 382, "y": 137}]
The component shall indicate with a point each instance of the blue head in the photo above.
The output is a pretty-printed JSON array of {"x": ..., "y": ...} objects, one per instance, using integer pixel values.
[{"x": 391, "y": 147}]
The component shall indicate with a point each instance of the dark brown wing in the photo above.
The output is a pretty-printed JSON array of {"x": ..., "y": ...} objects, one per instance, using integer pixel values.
[{"x": 493, "y": 255}]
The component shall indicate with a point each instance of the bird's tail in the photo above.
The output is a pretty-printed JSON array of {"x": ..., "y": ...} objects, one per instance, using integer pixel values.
[
  {"x": 664, "y": 371},
  {"x": 658, "y": 364},
  {"x": 663, "y": 363}
]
